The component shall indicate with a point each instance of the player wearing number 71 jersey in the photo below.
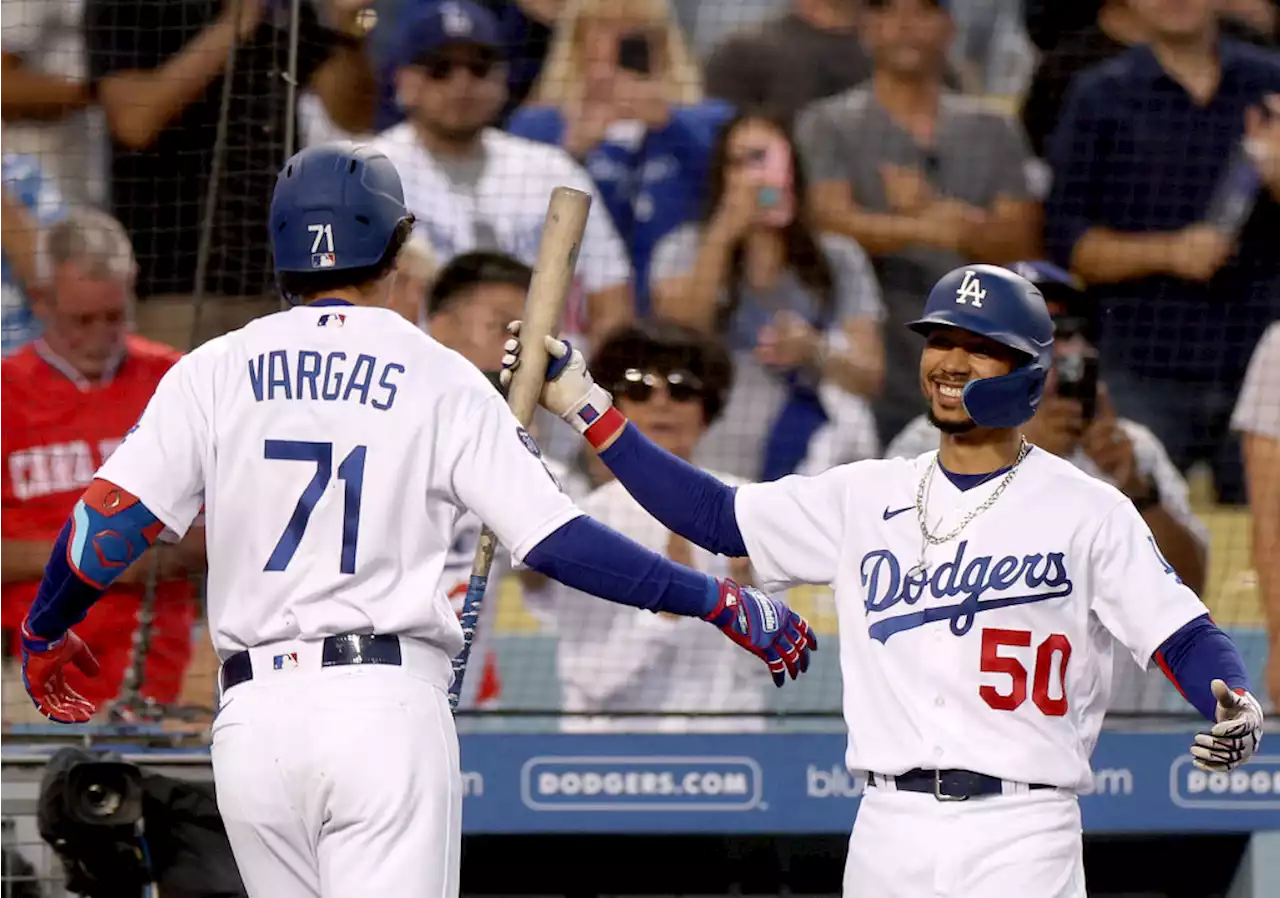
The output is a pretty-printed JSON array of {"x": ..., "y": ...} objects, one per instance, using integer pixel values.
[
  {"x": 334, "y": 447},
  {"x": 980, "y": 590}
]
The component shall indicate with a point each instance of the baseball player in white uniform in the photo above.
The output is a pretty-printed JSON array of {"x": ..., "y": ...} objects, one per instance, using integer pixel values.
[
  {"x": 980, "y": 589},
  {"x": 333, "y": 448}
]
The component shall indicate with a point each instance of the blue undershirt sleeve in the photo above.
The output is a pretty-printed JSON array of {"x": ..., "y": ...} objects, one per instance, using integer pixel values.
[
  {"x": 588, "y": 556},
  {"x": 1196, "y": 655},
  {"x": 688, "y": 501},
  {"x": 64, "y": 598}
]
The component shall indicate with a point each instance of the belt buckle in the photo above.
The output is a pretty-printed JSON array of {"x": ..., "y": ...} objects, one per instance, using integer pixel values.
[{"x": 939, "y": 794}]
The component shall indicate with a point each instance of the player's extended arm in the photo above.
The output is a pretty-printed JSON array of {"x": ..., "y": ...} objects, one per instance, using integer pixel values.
[
  {"x": 1205, "y": 666},
  {"x": 585, "y": 554},
  {"x": 108, "y": 529},
  {"x": 685, "y": 500}
]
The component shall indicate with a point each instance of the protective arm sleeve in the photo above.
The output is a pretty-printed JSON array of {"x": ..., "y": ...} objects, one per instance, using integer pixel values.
[
  {"x": 590, "y": 557},
  {"x": 685, "y": 500},
  {"x": 108, "y": 530},
  {"x": 1196, "y": 655}
]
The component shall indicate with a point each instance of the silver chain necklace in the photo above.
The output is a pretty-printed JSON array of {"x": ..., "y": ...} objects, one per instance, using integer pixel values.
[{"x": 930, "y": 539}]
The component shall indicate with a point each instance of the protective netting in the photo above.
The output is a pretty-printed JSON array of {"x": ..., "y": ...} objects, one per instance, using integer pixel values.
[{"x": 175, "y": 121}]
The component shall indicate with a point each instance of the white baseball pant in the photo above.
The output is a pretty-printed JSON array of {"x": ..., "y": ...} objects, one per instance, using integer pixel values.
[
  {"x": 910, "y": 845},
  {"x": 341, "y": 782}
]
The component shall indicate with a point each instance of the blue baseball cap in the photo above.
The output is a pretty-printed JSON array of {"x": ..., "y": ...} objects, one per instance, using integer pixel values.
[{"x": 429, "y": 26}]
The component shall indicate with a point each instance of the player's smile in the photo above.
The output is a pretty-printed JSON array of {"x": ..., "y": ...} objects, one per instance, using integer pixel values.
[
  {"x": 948, "y": 394},
  {"x": 952, "y": 358}
]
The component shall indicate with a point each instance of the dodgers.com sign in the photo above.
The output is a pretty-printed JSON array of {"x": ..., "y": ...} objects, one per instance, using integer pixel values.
[
  {"x": 641, "y": 783},
  {"x": 796, "y": 783}
]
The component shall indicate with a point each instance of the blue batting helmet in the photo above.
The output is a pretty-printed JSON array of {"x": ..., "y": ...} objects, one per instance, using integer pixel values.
[
  {"x": 336, "y": 206},
  {"x": 1007, "y": 308}
]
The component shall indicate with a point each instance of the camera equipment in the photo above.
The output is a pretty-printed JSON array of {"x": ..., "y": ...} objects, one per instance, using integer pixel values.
[{"x": 118, "y": 829}]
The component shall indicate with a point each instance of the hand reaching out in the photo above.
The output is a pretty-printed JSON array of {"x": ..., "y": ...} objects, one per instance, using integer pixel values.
[
  {"x": 1235, "y": 738},
  {"x": 766, "y": 627}
]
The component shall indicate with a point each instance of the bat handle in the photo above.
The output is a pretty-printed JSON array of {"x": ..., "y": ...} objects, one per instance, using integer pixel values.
[{"x": 469, "y": 619}]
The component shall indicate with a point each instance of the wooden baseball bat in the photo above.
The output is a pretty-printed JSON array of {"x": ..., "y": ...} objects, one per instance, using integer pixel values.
[{"x": 552, "y": 277}]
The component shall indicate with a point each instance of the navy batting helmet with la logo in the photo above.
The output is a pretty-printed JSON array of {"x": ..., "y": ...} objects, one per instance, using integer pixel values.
[{"x": 1000, "y": 305}]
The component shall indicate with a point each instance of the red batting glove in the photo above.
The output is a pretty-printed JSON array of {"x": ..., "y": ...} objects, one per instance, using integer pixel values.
[{"x": 43, "y": 661}]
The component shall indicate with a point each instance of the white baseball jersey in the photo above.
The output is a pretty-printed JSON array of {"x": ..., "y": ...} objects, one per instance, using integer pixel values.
[
  {"x": 1149, "y": 454},
  {"x": 999, "y": 660},
  {"x": 334, "y": 449},
  {"x": 614, "y": 658},
  {"x": 498, "y": 200}
]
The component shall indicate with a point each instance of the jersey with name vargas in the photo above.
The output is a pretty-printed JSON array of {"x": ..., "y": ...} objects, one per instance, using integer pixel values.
[
  {"x": 334, "y": 449},
  {"x": 998, "y": 659}
]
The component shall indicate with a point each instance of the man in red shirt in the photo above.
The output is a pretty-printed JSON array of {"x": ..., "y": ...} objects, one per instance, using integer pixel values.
[{"x": 69, "y": 399}]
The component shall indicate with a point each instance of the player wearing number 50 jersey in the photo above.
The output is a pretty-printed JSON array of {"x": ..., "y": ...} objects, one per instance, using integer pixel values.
[
  {"x": 980, "y": 591},
  {"x": 334, "y": 447}
]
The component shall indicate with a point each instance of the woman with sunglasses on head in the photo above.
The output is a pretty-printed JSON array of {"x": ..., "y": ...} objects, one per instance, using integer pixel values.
[
  {"x": 800, "y": 310},
  {"x": 671, "y": 381},
  {"x": 622, "y": 93}
]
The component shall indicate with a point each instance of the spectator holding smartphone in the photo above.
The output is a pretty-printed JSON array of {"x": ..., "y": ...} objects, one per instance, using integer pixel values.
[
  {"x": 800, "y": 310},
  {"x": 1077, "y": 421},
  {"x": 621, "y": 93}
]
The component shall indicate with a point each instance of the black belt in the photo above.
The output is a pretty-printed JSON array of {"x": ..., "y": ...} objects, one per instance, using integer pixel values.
[
  {"x": 952, "y": 785},
  {"x": 350, "y": 648}
]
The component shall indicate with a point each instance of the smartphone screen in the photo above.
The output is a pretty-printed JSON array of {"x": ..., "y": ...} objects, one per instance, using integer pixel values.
[
  {"x": 634, "y": 54},
  {"x": 773, "y": 164}
]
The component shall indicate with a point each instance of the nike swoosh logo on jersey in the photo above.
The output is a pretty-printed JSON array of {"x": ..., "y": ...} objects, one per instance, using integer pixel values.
[
  {"x": 961, "y": 614},
  {"x": 893, "y": 514}
]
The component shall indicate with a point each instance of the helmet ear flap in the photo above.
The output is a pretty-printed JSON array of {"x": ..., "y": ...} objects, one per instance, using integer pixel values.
[{"x": 1009, "y": 400}]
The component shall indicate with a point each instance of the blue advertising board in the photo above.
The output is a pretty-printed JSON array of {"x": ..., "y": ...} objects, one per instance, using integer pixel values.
[
  {"x": 773, "y": 783},
  {"x": 796, "y": 783}
]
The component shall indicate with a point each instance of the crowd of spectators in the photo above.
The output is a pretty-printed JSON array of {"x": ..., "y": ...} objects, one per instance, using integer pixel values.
[{"x": 777, "y": 184}]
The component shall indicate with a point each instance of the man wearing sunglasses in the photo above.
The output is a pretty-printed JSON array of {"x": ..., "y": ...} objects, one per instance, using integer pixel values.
[
  {"x": 1077, "y": 421},
  {"x": 471, "y": 186},
  {"x": 672, "y": 383}
]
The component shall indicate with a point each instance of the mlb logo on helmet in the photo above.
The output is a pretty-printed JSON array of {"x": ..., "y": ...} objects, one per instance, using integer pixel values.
[
  {"x": 323, "y": 260},
  {"x": 331, "y": 319}
]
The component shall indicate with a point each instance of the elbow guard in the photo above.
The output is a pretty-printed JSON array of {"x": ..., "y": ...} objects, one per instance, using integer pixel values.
[{"x": 110, "y": 529}]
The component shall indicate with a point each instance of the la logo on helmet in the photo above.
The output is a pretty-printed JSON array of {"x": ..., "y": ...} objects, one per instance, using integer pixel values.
[{"x": 971, "y": 288}]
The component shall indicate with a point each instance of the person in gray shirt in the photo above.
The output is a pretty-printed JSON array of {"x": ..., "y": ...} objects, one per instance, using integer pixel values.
[
  {"x": 923, "y": 179},
  {"x": 788, "y": 61}
]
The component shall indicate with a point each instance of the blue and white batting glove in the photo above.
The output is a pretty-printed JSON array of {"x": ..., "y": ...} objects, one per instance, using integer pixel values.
[
  {"x": 569, "y": 391},
  {"x": 766, "y": 627},
  {"x": 1235, "y": 738}
]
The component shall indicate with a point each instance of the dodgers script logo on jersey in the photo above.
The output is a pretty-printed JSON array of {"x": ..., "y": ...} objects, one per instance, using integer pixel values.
[{"x": 982, "y": 583}]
